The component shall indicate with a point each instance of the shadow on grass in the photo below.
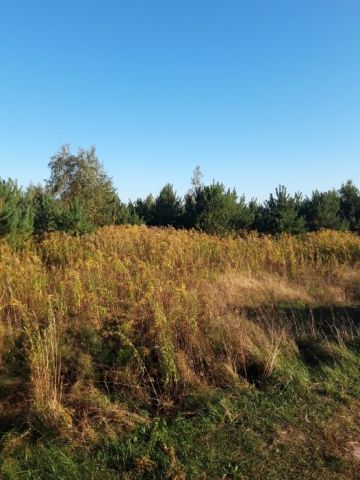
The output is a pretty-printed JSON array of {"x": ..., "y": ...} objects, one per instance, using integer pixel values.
[
  {"x": 314, "y": 353},
  {"x": 328, "y": 320}
]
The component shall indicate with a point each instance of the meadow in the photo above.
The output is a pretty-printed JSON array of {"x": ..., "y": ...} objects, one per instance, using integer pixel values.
[{"x": 137, "y": 352}]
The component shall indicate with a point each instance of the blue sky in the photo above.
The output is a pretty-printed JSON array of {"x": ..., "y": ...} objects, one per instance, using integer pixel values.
[{"x": 257, "y": 93}]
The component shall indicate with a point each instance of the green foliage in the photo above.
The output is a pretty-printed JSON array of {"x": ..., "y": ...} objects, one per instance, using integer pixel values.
[
  {"x": 167, "y": 209},
  {"x": 213, "y": 209},
  {"x": 79, "y": 197},
  {"x": 126, "y": 215},
  {"x": 82, "y": 177},
  {"x": 47, "y": 211},
  {"x": 74, "y": 218},
  {"x": 245, "y": 214},
  {"x": 144, "y": 209},
  {"x": 216, "y": 208},
  {"x": 350, "y": 205},
  {"x": 16, "y": 214},
  {"x": 323, "y": 211},
  {"x": 281, "y": 213}
]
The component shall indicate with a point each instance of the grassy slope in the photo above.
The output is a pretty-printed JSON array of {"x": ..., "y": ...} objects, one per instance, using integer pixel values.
[{"x": 162, "y": 354}]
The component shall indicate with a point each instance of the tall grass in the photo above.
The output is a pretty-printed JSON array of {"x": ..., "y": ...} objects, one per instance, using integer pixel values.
[{"x": 95, "y": 329}]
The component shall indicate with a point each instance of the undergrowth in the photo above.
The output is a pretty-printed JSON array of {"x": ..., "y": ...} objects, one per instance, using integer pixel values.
[{"x": 155, "y": 353}]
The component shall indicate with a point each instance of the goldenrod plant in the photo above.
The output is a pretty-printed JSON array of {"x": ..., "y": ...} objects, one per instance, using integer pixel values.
[{"x": 109, "y": 333}]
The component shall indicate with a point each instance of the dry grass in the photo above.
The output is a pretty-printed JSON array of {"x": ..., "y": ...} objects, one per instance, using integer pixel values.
[{"x": 91, "y": 328}]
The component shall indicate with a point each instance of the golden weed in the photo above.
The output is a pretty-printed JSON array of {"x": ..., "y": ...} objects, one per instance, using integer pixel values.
[{"x": 130, "y": 316}]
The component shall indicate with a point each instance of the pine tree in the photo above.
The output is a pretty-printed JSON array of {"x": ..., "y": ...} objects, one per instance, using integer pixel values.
[
  {"x": 168, "y": 209},
  {"x": 16, "y": 214},
  {"x": 245, "y": 214},
  {"x": 126, "y": 215},
  {"x": 213, "y": 209},
  {"x": 322, "y": 210},
  {"x": 281, "y": 213},
  {"x": 47, "y": 211},
  {"x": 144, "y": 209},
  {"x": 350, "y": 205},
  {"x": 74, "y": 218}
]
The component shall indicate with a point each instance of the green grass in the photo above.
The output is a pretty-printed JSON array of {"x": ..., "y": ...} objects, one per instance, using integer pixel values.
[{"x": 297, "y": 425}]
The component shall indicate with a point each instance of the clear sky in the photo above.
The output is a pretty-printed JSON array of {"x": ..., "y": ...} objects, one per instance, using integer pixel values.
[{"x": 255, "y": 92}]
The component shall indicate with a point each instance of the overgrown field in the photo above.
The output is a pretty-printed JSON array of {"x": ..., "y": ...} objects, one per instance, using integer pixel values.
[{"x": 155, "y": 353}]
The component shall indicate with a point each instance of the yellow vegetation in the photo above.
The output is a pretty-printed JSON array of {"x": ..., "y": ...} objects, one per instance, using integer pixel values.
[{"x": 92, "y": 327}]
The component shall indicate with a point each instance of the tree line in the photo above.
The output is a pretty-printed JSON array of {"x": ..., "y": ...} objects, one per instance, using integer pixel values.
[{"x": 79, "y": 196}]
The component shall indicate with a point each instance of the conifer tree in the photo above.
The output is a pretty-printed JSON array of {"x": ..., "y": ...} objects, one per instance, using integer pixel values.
[
  {"x": 144, "y": 209},
  {"x": 322, "y": 210},
  {"x": 167, "y": 210},
  {"x": 212, "y": 209},
  {"x": 350, "y": 205},
  {"x": 47, "y": 211},
  {"x": 281, "y": 213},
  {"x": 74, "y": 218},
  {"x": 16, "y": 214}
]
